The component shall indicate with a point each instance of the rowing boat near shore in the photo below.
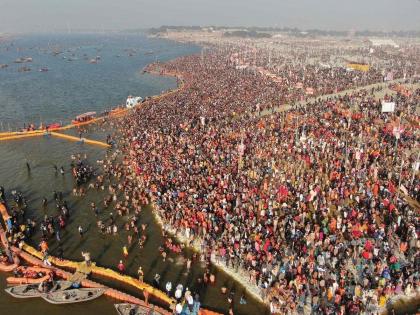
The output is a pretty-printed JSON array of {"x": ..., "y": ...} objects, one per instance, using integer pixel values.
[
  {"x": 31, "y": 290},
  {"x": 133, "y": 309},
  {"x": 73, "y": 295}
]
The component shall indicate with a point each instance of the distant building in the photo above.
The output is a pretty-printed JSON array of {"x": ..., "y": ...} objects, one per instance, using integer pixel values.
[
  {"x": 278, "y": 35},
  {"x": 376, "y": 42}
]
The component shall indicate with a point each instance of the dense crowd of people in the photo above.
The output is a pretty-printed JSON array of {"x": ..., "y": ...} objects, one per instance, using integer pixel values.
[
  {"x": 314, "y": 206},
  {"x": 311, "y": 203}
]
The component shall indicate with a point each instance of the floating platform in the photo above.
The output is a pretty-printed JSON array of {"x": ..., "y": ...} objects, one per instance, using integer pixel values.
[
  {"x": 82, "y": 140},
  {"x": 29, "y": 134}
]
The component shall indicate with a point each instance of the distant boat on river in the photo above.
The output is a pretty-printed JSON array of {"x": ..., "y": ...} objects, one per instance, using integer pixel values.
[
  {"x": 23, "y": 60},
  {"x": 24, "y": 69}
]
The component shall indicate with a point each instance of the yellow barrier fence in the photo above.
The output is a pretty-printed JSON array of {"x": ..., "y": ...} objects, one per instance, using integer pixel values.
[
  {"x": 21, "y": 136},
  {"x": 84, "y": 140}
]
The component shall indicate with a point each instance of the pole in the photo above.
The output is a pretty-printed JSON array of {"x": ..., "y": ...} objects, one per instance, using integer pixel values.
[
  {"x": 399, "y": 179},
  {"x": 414, "y": 168},
  {"x": 397, "y": 136}
]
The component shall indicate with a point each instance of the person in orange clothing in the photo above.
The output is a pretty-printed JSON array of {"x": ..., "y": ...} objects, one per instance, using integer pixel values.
[
  {"x": 375, "y": 189},
  {"x": 44, "y": 246},
  {"x": 333, "y": 225}
]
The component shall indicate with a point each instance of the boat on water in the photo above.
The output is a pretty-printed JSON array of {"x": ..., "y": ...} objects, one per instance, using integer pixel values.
[
  {"x": 23, "y": 60},
  {"x": 133, "y": 309},
  {"x": 73, "y": 295},
  {"x": 83, "y": 118},
  {"x": 3, "y": 65},
  {"x": 49, "y": 127},
  {"x": 44, "y": 69},
  {"x": 95, "y": 60},
  {"x": 24, "y": 69},
  {"x": 52, "y": 126},
  {"x": 32, "y": 290}
]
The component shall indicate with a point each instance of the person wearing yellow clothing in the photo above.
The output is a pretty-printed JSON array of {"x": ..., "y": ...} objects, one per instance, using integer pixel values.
[
  {"x": 330, "y": 294},
  {"x": 125, "y": 251},
  {"x": 382, "y": 300}
]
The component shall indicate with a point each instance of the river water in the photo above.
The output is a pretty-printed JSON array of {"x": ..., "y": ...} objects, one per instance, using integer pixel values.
[{"x": 67, "y": 89}]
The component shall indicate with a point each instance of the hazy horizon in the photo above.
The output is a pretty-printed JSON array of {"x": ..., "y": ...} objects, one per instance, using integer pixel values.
[{"x": 51, "y": 16}]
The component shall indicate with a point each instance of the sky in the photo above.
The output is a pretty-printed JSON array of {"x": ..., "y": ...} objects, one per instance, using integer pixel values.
[{"x": 58, "y": 15}]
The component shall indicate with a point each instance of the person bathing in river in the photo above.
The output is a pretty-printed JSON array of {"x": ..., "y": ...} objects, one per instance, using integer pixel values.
[
  {"x": 86, "y": 256},
  {"x": 125, "y": 251},
  {"x": 44, "y": 203},
  {"x": 140, "y": 273},
  {"x": 121, "y": 266},
  {"x": 2, "y": 196}
]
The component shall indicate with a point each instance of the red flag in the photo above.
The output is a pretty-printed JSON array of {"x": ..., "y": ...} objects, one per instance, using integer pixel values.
[{"x": 391, "y": 187}]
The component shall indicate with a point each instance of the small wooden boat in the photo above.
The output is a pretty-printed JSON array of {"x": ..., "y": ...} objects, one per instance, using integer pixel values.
[
  {"x": 23, "y": 60},
  {"x": 83, "y": 118},
  {"x": 52, "y": 126},
  {"x": 24, "y": 69},
  {"x": 133, "y": 309},
  {"x": 73, "y": 295},
  {"x": 31, "y": 290}
]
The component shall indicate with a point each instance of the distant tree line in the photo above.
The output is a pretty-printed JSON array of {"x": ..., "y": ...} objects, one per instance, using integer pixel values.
[
  {"x": 262, "y": 32},
  {"x": 247, "y": 34}
]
